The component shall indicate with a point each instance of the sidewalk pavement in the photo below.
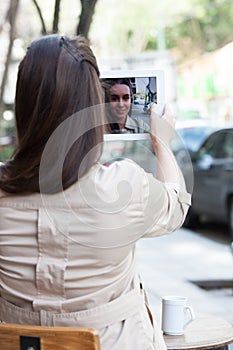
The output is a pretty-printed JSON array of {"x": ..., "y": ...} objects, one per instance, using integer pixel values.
[{"x": 169, "y": 263}]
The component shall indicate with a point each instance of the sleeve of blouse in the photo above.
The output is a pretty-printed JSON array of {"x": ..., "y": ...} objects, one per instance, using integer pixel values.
[{"x": 164, "y": 206}]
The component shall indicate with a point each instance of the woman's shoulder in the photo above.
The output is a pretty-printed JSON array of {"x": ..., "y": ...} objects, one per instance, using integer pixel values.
[
  {"x": 139, "y": 124},
  {"x": 122, "y": 170},
  {"x": 121, "y": 167}
]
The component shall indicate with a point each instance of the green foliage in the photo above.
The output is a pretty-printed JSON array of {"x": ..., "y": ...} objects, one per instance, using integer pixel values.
[
  {"x": 207, "y": 29},
  {"x": 151, "y": 43},
  {"x": 5, "y": 153}
]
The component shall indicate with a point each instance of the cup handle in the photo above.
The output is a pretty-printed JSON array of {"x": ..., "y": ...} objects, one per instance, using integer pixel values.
[{"x": 192, "y": 315}]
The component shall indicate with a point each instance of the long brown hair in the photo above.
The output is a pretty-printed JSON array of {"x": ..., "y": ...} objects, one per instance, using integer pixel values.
[{"x": 57, "y": 78}]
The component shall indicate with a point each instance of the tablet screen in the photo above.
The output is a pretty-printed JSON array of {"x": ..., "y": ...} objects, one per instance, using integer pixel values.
[{"x": 138, "y": 90}]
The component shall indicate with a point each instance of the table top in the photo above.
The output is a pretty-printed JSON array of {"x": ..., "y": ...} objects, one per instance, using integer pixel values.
[{"x": 204, "y": 332}]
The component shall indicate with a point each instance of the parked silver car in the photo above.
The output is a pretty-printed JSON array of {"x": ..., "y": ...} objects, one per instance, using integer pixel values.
[{"x": 213, "y": 180}]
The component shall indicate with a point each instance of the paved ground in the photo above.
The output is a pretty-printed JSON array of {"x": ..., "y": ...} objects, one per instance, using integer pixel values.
[{"x": 169, "y": 263}]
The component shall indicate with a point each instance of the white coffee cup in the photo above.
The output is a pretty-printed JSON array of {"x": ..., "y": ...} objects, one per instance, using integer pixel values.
[{"x": 175, "y": 314}]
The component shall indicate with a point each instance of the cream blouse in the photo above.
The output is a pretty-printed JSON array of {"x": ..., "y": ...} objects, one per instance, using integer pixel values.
[{"x": 75, "y": 250}]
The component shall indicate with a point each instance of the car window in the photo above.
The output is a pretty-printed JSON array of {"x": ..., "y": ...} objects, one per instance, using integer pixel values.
[
  {"x": 213, "y": 146},
  {"x": 193, "y": 137},
  {"x": 228, "y": 145}
]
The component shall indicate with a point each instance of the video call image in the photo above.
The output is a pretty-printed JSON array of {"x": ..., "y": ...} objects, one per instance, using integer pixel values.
[
  {"x": 138, "y": 93},
  {"x": 143, "y": 92}
]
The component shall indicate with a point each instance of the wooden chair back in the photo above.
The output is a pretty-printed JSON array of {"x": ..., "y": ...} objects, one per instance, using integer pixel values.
[{"x": 25, "y": 337}]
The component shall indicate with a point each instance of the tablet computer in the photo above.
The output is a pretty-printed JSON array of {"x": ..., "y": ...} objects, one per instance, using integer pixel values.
[{"x": 147, "y": 87}]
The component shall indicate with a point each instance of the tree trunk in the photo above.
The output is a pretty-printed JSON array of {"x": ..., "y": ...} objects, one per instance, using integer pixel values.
[
  {"x": 43, "y": 30},
  {"x": 56, "y": 16},
  {"x": 11, "y": 18},
  {"x": 85, "y": 19}
]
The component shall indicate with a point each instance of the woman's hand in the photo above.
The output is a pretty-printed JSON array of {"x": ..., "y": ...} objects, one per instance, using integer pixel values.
[{"x": 162, "y": 129}]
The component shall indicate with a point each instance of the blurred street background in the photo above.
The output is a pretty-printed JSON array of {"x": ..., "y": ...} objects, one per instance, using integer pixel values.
[
  {"x": 197, "y": 265},
  {"x": 192, "y": 43}
]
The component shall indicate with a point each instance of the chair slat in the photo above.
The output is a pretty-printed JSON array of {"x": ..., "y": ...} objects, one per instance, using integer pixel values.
[{"x": 51, "y": 338}]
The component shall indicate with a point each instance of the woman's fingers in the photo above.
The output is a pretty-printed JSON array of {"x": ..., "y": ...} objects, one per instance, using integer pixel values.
[
  {"x": 162, "y": 128},
  {"x": 154, "y": 113}
]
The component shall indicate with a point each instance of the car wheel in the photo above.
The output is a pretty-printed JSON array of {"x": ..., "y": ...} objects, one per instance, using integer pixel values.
[
  {"x": 231, "y": 217},
  {"x": 192, "y": 219}
]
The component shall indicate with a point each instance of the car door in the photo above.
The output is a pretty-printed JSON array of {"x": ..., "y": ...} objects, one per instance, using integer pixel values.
[{"x": 213, "y": 175}]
